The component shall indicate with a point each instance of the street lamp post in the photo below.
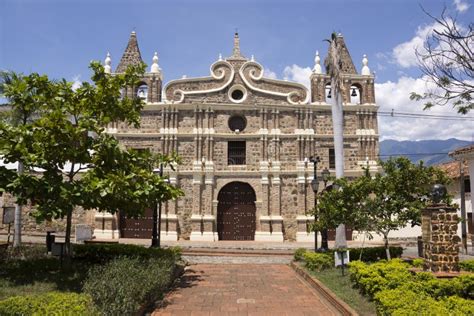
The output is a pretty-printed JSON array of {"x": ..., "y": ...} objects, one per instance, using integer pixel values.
[
  {"x": 156, "y": 233},
  {"x": 315, "y": 186},
  {"x": 324, "y": 233}
]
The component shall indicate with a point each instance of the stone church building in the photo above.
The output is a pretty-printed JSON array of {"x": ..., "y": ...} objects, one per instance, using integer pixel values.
[{"x": 245, "y": 143}]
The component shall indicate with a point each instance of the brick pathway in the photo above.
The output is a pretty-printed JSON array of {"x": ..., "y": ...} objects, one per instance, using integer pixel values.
[{"x": 243, "y": 289}]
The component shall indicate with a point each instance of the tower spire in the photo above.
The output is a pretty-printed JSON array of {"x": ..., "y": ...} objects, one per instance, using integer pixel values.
[
  {"x": 131, "y": 55},
  {"x": 236, "y": 50}
]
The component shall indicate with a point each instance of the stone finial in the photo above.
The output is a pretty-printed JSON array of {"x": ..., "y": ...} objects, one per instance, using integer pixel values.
[
  {"x": 365, "y": 68},
  {"x": 220, "y": 56},
  {"x": 252, "y": 58},
  {"x": 236, "y": 49},
  {"x": 107, "y": 62},
  {"x": 154, "y": 67},
  {"x": 317, "y": 64}
]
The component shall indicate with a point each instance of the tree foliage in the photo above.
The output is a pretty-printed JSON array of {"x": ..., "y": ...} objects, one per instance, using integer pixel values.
[
  {"x": 447, "y": 61},
  {"x": 68, "y": 158},
  {"x": 388, "y": 201}
]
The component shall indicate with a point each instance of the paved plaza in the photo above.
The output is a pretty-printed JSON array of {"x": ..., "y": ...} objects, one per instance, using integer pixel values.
[{"x": 243, "y": 289}]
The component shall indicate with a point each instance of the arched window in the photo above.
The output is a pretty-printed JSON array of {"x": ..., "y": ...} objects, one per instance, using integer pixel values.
[
  {"x": 355, "y": 94},
  {"x": 328, "y": 93},
  {"x": 142, "y": 91}
]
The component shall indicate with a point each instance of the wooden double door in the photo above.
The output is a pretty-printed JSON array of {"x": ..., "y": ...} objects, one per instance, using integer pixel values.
[
  {"x": 236, "y": 212},
  {"x": 140, "y": 227}
]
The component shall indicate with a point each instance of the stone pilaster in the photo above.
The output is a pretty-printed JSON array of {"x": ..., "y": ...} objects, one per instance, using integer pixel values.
[{"x": 106, "y": 226}]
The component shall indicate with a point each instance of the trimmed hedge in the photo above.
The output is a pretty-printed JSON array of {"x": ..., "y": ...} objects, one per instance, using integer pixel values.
[
  {"x": 467, "y": 265},
  {"x": 373, "y": 254},
  {"x": 125, "y": 285},
  {"x": 102, "y": 253},
  {"x": 402, "y": 302},
  {"x": 397, "y": 291},
  {"x": 315, "y": 261},
  {"x": 299, "y": 253},
  {"x": 52, "y": 303}
]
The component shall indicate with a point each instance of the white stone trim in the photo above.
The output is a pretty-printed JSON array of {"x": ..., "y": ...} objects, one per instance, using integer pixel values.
[
  {"x": 204, "y": 236},
  {"x": 306, "y": 237},
  {"x": 106, "y": 234},
  {"x": 169, "y": 236},
  {"x": 267, "y": 236},
  {"x": 304, "y": 218},
  {"x": 273, "y": 218},
  {"x": 214, "y": 75},
  {"x": 237, "y": 87},
  {"x": 260, "y": 76}
]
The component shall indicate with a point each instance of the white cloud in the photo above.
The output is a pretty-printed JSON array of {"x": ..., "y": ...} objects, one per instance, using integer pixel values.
[
  {"x": 461, "y": 6},
  {"x": 298, "y": 74},
  {"x": 395, "y": 95},
  {"x": 267, "y": 73},
  {"x": 76, "y": 82},
  {"x": 404, "y": 53}
]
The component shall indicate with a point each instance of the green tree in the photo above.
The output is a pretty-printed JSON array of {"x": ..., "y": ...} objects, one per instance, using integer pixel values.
[
  {"x": 388, "y": 201},
  {"x": 69, "y": 160},
  {"x": 19, "y": 115},
  {"x": 447, "y": 62}
]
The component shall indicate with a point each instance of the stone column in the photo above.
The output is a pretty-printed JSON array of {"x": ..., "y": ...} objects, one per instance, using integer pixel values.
[
  {"x": 440, "y": 240},
  {"x": 169, "y": 219},
  {"x": 106, "y": 226},
  {"x": 302, "y": 220}
]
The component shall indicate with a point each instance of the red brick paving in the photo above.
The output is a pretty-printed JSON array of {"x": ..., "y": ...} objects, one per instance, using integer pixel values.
[{"x": 243, "y": 289}]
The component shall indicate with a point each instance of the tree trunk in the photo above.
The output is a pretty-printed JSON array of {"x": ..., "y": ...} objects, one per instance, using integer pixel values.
[
  {"x": 17, "y": 220},
  {"x": 337, "y": 122},
  {"x": 387, "y": 249},
  {"x": 67, "y": 244}
]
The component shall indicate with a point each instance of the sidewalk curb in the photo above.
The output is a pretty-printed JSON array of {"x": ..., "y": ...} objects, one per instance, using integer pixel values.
[{"x": 336, "y": 302}]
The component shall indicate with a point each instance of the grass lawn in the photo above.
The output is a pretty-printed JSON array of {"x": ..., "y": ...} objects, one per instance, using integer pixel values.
[
  {"x": 342, "y": 287},
  {"x": 32, "y": 272}
]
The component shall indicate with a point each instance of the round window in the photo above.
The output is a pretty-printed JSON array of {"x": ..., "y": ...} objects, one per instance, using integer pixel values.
[
  {"x": 237, "y": 94},
  {"x": 237, "y": 123}
]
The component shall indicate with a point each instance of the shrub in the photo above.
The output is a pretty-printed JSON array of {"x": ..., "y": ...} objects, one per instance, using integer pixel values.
[
  {"x": 373, "y": 254},
  {"x": 124, "y": 285},
  {"x": 418, "y": 263},
  {"x": 51, "y": 303},
  {"x": 379, "y": 276},
  {"x": 299, "y": 253},
  {"x": 101, "y": 253},
  {"x": 402, "y": 302},
  {"x": 467, "y": 265},
  {"x": 318, "y": 261}
]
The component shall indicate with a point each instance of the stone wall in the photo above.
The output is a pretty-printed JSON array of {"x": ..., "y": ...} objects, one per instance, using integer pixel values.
[{"x": 31, "y": 227}]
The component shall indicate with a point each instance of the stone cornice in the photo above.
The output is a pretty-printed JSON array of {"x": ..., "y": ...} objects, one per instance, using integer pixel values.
[
  {"x": 319, "y": 106},
  {"x": 234, "y": 135}
]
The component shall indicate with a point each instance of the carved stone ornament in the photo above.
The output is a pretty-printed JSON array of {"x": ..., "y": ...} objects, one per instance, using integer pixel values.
[{"x": 229, "y": 73}]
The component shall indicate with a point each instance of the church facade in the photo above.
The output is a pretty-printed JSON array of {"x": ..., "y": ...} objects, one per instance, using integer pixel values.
[{"x": 245, "y": 143}]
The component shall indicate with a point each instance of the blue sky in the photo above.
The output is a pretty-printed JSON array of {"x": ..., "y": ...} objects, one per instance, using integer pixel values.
[{"x": 59, "y": 38}]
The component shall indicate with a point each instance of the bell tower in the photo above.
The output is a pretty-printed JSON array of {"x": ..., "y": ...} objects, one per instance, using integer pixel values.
[
  {"x": 358, "y": 103},
  {"x": 151, "y": 83}
]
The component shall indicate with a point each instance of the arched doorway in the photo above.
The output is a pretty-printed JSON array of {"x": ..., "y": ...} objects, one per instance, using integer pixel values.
[{"x": 236, "y": 212}]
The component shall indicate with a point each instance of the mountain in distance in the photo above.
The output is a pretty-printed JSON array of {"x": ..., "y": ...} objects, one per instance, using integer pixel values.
[{"x": 432, "y": 152}]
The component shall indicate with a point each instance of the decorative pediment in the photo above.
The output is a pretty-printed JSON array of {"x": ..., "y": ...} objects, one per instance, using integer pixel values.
[{"x": 236, "y": 81}]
